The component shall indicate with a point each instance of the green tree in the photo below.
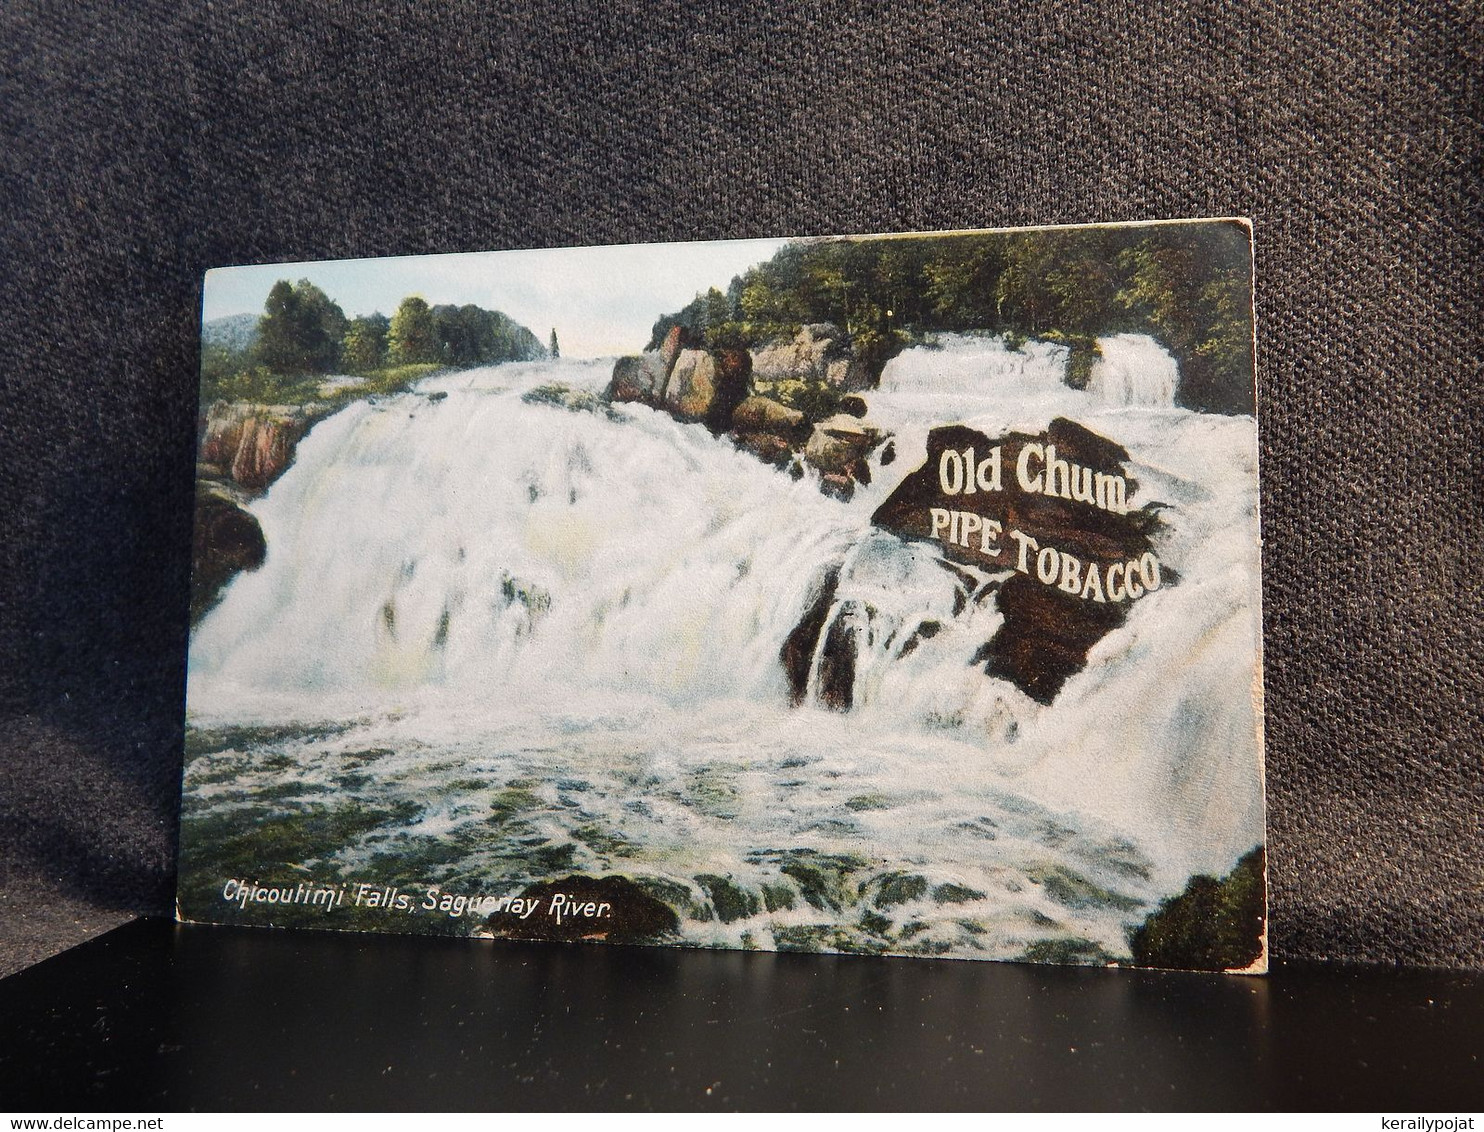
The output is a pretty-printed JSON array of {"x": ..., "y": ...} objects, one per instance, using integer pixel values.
[
  {"x": 961, "y": 286},
  {"x": 301, "y": 329},
  {"x": 412, "y": 336},
  {"x": 1193, "y": 293},
  {"x": 1187, "y": 285},
  {"x": 364, "y": 348},
  {"x": 1023, "y": 297},
  {"x": 555, "y": 351}
]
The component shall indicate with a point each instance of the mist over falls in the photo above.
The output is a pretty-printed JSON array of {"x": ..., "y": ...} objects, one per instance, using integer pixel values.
[{"x": 497, "y": 589}]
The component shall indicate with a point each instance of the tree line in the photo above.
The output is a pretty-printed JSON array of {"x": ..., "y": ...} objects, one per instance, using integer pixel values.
[
  {"x": 303, "y": 333},
  {"x": 1186, "y": 285}
]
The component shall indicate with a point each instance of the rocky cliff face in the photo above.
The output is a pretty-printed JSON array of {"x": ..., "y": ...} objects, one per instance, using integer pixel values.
[
  {"x": 251, "y": 445},
  {"x": 1002, "y": 542}
]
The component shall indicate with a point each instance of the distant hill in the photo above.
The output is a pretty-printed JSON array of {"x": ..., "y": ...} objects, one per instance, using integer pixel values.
[{"x": 235, "y": 333}]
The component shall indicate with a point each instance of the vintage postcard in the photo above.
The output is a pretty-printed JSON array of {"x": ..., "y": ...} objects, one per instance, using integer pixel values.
[{"x": 886, "y": 595}]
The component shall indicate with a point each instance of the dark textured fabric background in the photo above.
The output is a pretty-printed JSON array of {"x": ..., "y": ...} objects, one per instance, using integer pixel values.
[{"x": 145, "y": 143}]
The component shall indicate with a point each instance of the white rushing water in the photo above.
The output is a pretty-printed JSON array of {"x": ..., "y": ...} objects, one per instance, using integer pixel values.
[{"x": 589, "y": 607}]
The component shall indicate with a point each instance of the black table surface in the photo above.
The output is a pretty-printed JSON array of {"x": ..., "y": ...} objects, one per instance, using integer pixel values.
[{"x": 156, "y": 1016}]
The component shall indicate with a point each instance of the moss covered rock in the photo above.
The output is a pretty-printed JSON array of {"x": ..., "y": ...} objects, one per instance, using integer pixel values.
[
  {"x": 731, "y": 901},
  {"x": 1214, "y": 925}
]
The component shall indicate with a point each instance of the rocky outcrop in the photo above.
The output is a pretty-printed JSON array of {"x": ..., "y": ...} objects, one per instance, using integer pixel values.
[
  {"x": 768, "y": 447},
  {"x": 733, "y": 383},
  {"x": 769, "y": 430},
  {"x": 819, "y": 353},
  {"x": 243, "y": 448},
  {"x": 226, "y": 540},
  {"x": 723, "y": 388},
  {"x": 692, "y": 385},
  {"x": 840, "y": 444},
  {"x": 689, "y": 393},
  {"x": 763, "y": 414},
  {"x": 1047, "y": 629},
  {"x": 640, "y": 378},
  {"x": 251, "y": 445},
  {"x": 670, "y": 348},
  {"x": 797, "y": 653},
  {"x": 1214, "y": 925},
  {"x": 837, "y": 449}
]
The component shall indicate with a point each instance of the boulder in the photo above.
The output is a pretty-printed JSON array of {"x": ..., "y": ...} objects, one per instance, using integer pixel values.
[
  {"x": 763, "y": 414},
  {"x": 672, "y": 345},
  {"x": 1214, "y": 925},
  {"x": 806, "y": 357},
  {"x": 225, "y": 541},
  {"x": 768, "y": 447},
  {"x": 639, "y": 377},
  {"x": 1046, "y": 632},
  {"x": 797, "y": 653},
  {"x": 733, "y": 376},
  {"x": 692, "y": 387},
  {"x": 840, "y": 444},
  {"x": 839, "y": 485}
]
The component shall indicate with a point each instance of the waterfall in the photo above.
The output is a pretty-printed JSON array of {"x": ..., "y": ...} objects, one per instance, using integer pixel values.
[
  {"x": 478, "y": 541},
  {"x": 1133, "y": 369},
  {"x": 491, "y": 584}
]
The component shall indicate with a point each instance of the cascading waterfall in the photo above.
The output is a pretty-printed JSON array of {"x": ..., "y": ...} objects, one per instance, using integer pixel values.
[
  {"x": 477, "y": 541},
  {"x": 1132, "y": 369},
  {"x": 494, "y": 590}
]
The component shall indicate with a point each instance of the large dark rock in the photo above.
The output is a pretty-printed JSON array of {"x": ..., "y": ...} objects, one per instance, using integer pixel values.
[
  {"x": 226, "y": 541},
  {"x": 837, "y": 658},
  {"x": 797, "y": 654},
  {"x": 837, "y": 450},
  {"x": 763, "y": 414},
  {"x": 840, "y": 444},
  {"x": 1214, "y": 925},
  {"x": 692, "y": 387},
  {"x": 733, "y": 377},
  {"x": 1047, "y": 631},
  {"x": 620, "y": 912},
  {"x": 768, "y": 429},
  {"x": 768, "y": 447}
]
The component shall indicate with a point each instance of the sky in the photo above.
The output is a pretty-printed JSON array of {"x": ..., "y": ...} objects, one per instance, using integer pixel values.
[{"x": 601, "y": 301}]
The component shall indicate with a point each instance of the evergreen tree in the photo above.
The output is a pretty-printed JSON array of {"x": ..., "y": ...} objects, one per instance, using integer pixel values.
[{"x": 555, "y": 352}]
